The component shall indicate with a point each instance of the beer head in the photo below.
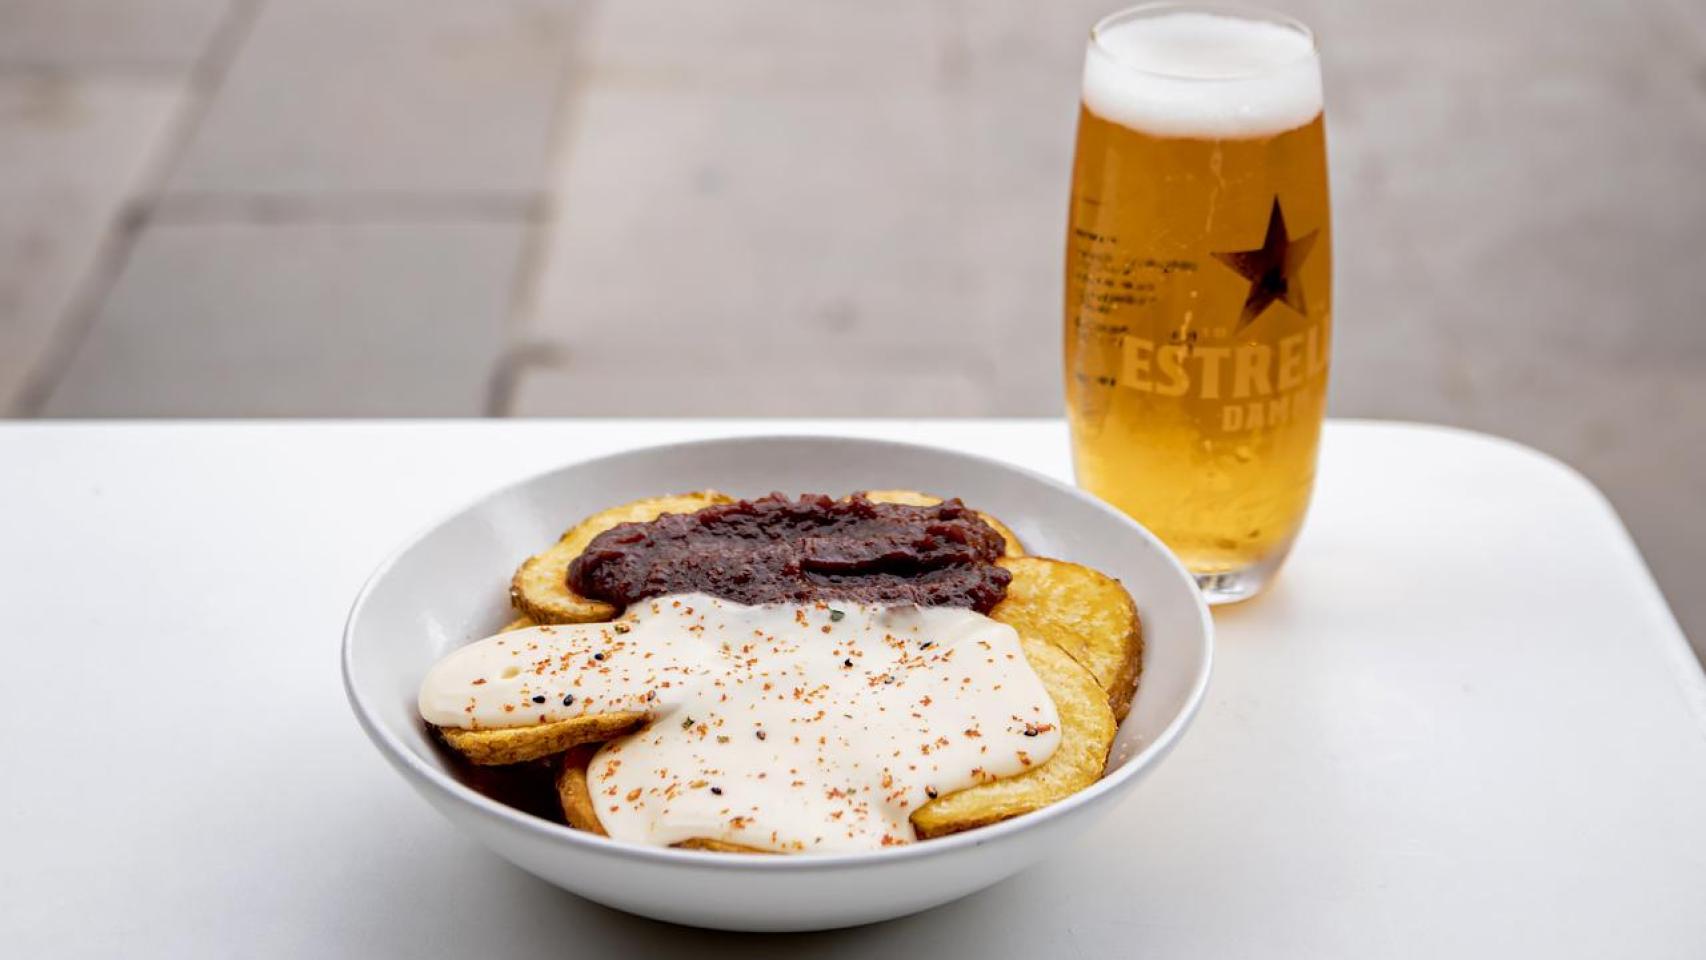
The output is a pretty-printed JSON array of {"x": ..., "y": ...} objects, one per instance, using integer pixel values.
[{"x": 1197, "y": 72}]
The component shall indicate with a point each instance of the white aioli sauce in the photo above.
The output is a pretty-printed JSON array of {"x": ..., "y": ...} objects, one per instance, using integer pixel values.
[{"x": 815, "y": 727}]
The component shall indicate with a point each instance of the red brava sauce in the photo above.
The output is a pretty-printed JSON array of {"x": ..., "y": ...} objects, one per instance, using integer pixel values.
[{"x": 777, "y": 550}]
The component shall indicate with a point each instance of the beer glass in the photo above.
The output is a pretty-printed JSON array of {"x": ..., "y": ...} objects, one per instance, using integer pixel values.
[{"x": 1198, "y": 282}]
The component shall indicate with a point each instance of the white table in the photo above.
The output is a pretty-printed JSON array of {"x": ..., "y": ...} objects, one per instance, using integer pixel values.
[{"x": 1464, "y": 723}]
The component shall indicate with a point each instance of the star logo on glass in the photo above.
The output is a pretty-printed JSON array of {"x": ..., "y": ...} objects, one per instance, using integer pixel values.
[{"x": 1272, "y": 269}]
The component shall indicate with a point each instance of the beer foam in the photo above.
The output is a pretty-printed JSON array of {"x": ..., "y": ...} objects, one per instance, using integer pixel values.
[{"x": 1192, "y": 74}]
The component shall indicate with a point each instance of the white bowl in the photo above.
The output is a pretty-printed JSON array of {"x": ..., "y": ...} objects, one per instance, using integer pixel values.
[{"x": 449, "y": 587}]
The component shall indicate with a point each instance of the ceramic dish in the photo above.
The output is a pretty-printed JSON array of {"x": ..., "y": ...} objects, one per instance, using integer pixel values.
[{"x": 448, "y": 587}]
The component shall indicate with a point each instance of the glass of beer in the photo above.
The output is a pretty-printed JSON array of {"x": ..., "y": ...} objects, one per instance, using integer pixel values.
[{"x": 1198, "y": 282}]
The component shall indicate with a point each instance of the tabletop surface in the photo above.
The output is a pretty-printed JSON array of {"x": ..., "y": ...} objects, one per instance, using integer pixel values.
[{"x": 1463, "y": 723}]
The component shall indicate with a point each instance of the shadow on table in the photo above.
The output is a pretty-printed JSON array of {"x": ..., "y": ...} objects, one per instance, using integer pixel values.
[
  {"x": 490, "y": 908},
  {"x": 961, "y": 924}
]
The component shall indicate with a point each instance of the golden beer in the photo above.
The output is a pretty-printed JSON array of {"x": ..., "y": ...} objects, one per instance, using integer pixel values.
[{"x": 1198, "y": 284}]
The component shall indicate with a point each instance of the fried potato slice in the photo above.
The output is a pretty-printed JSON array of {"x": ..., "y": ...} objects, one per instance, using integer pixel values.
[
  {"x": 519, "y": 623},
  {"x": 717, "y": 846},
  {"x": 502, "y": 745},
  {"x": 1084, "y": 612},
  {"x": 910, "y": 498},
  {"x": 540, "y": 589},
  {"x": 914, "y": 498},
  {"x": 575, "y": 793},
  {"x": 1087, "y": 732}
]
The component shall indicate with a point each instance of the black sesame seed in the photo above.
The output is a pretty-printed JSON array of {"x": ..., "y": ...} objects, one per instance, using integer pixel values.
[
  {"x": 761, "y": 734},
  {"x": 930, "y": 792},
  {"x": 568, "y": 699},
  {"x": 847, "y": 662},
  {"x": 598, "y": 656},
  {"x": 539, "y": 698},
  {"x": 717, "y": 790}
]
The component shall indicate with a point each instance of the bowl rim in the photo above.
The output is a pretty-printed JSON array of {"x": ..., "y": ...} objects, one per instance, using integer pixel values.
[{"x": 426, "y": 773}]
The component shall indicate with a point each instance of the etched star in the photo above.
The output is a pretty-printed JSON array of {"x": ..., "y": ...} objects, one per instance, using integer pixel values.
[{"x": 1271, "y": 270}]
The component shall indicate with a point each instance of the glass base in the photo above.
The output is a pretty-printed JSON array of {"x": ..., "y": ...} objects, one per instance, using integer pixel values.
[{"x": 1233, "y": 586}]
